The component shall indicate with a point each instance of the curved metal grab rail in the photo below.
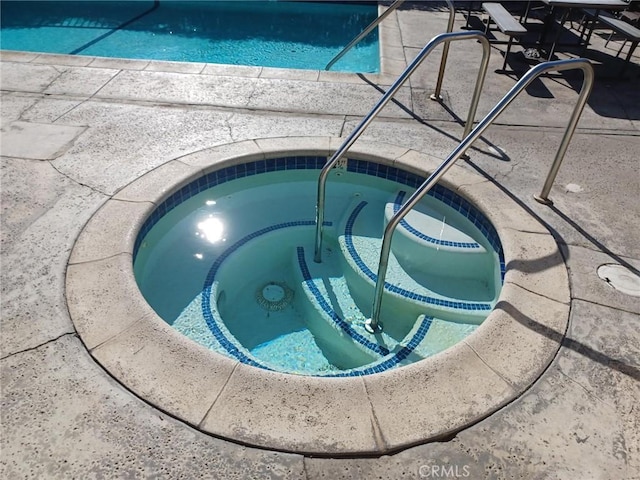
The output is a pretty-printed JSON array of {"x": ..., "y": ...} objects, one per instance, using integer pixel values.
[
  {"x": 364, "y": 33},
  {"x": 373, "y": 324},
  {"x": 428, "y": 48}
]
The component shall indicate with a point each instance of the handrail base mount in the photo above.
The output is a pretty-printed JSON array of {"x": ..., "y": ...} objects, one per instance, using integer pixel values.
[
  {"x": 542, "y": 200},
  {"x": 371, "y": 328}
]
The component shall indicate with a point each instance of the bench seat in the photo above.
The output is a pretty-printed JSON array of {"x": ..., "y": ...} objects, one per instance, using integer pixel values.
[
  {"x": 505, "y": 22},
  {"x": 503, "y": 19},
  {"x": 619, "y": 26}
]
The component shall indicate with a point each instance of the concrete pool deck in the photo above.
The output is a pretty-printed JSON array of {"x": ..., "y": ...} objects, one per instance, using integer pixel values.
[{"x": 77, "y": 130}]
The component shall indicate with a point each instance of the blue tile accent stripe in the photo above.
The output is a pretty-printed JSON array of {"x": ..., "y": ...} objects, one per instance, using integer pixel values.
[
  {"x": 339, "y": 322},
  {"x": 230, "y": 347},
  {"x": 348, "y": 234},
  {"x": 396, "y": 207},
  {"x": 227, "y": 343},
  {"x": 317, "y": 162},
  {"x": 401, "y": 355},
  {"x": 225, "y": 175},
  {"x": 438, "y": 191}
]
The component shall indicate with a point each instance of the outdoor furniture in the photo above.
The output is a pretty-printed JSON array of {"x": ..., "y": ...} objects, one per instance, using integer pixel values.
[
  {"x": 505, "y": 22},
  {"x": 619, "y": 26},
  {"x": 630, "y": 17},
  {"x": 527, "y": 10},
  {"x": 559, "y": 11},
  {"x": 470, "y": 6}
]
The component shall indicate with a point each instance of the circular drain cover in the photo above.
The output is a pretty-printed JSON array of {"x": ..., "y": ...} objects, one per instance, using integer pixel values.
[
  {"x": 274, "y": 296},
  {"x": 620, "y": 278},
  {"x": 273, "y": 293}
]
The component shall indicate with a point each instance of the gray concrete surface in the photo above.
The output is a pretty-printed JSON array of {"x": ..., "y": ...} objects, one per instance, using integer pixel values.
[{"x": 76, "y": 130}]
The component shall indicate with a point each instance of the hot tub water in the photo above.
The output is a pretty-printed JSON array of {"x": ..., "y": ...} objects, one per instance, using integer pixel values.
[{"x": 232, "y": 268}]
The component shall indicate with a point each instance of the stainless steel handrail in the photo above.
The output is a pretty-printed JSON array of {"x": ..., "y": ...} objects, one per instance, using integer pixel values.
[
  {"x": 364, "y": 33},
  {"x": 428, "y": 48},
  {"x": 445, "y": 53},
  {"x": 373, "y": 324}
]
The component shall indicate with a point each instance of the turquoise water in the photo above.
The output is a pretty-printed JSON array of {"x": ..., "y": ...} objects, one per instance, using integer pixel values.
[
  {"x": 204, "y": 267},
  {"x": 302, "y": 35}
]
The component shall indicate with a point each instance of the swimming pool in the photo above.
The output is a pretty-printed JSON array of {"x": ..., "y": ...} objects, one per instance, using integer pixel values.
[{"x": 305, "y": 35}]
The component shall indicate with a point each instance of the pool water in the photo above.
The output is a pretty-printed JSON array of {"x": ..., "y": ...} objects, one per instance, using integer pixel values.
[
  {"x": 305, "y": 35},
  {"x": 228, "y": 262}
]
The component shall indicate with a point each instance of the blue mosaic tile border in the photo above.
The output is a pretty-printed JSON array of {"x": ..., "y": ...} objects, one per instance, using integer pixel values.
[
  {"x": 221, "y": 176},
  {"x": 226, "y": 343},
  {"x": 333, "y": 316},
  {"x": 317, "y": 162},
  {"x": 393, "y": 288},
  {"x": 439, "y": 192},
  {"x": 397, "y": 203},
  {"x": 402, "y": 354}
]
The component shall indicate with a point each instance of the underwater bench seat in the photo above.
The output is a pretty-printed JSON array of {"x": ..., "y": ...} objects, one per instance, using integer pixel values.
[
  {"x": 428, "y": 241},
  {"x": 437, "y": 294}
]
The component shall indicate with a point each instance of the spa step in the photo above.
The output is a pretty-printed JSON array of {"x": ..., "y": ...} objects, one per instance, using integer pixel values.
[
  {"x": 403, "y": 353},
  {"x": 328, "y": 296},
  {"x": 432, "y": 294},
  {"x": 427, "y": 337},
  {"x": 434, "y": 240}
]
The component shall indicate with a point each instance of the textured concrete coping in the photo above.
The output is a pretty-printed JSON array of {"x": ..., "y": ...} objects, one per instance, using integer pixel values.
[
  {"x": 375, "y": 414},
  {"x": 390, "y": 68}
]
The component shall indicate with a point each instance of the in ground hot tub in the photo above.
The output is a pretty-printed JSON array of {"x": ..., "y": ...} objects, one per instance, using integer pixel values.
[
  {"x": 227, "y": 260},
  {"x": 458, "y": 343}
]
